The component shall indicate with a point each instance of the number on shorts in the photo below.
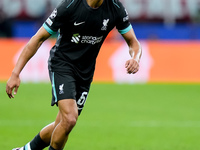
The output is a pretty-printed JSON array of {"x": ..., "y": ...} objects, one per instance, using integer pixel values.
[{"x": 82, "y": 99}]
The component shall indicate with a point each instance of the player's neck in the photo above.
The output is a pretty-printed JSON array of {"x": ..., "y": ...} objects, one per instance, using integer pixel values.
[{"x": 94, "y": 3}]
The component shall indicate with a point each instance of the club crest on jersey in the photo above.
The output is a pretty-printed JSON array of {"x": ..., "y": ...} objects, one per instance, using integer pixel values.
[
  {"x": 53, "y": 14},
  {"x": 105, "y": 24}
]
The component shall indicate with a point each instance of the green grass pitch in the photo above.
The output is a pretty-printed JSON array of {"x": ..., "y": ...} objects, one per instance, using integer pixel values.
[{"x": 115, "y": 117}]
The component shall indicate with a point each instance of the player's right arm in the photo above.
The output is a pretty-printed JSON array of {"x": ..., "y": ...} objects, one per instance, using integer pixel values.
[{"x": 29, "y": 50}]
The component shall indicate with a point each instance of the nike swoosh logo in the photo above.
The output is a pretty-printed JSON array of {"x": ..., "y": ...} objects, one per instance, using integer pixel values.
[{"x": 77, "y": 24}]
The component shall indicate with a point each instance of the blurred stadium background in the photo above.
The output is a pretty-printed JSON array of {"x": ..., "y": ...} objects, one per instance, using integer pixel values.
[
  {"x": 169, "y": 31},
  {"x": 125, "y": 116}
]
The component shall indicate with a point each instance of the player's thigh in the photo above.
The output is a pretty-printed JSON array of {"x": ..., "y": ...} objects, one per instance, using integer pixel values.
[
  {"x": 68, "y": 107},
  {"x": 58, "y": 119},
  {"x": 69, "y": 111}
]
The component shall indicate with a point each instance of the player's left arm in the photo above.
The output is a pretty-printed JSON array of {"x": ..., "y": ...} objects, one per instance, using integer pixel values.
[{"x": 135, "y": 51}]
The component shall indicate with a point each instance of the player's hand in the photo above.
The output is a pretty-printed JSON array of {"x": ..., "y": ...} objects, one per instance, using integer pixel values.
[
  {"x": 132, "y": 66},
  {"x": 12, "y": 84}
]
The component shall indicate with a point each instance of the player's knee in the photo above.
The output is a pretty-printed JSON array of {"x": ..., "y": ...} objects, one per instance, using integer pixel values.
[{"x": 69, "y": 121}]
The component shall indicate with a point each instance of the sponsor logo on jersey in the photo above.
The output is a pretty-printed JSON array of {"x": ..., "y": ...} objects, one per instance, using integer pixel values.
[
  {"x": 76, "y": 38},
  {"x": 77, "y": 24},
  {"x": 105, "y": 24},
  {"x": 91, "y": 39},
  {"x": 61, "y": 88}
]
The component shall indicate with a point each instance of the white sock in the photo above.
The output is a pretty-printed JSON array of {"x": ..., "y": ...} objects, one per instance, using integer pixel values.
[{"x": 26, "y": 147}]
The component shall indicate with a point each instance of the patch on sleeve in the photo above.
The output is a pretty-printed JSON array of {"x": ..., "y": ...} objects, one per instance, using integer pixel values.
[
  {"x": 53, "y": 14},
  {"x": 49, "y": 22}
]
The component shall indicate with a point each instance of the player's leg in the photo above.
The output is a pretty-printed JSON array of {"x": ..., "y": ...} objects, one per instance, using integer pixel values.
[
  {"x": 46, "y": 132},
  {"x": 66, "y": 88},
  {"x": 69, "y": 112},
  {"x": 42, "y": 140}
]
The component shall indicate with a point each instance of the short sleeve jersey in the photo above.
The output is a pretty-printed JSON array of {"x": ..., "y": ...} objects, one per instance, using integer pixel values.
[{"x": 82, "y": 30}]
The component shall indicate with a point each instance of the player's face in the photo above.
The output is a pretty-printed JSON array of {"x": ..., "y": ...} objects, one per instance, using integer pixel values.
[{"x": 94, "y": 3}]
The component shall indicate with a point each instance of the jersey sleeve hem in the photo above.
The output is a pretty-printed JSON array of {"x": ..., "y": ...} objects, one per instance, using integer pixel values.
[
  {"x": 125, "y": 30},
  {"x": 50, "y": 31}
]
